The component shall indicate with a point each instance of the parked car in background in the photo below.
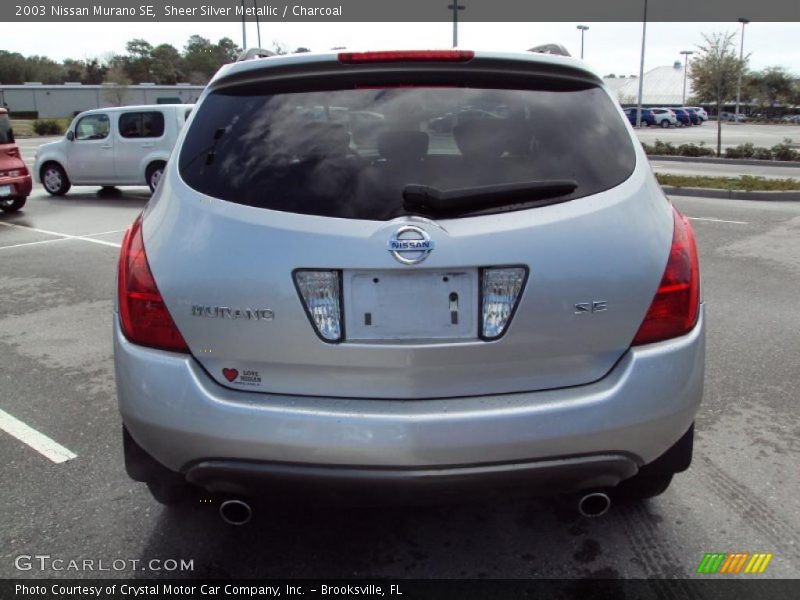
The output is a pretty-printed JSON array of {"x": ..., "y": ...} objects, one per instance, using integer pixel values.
[
  {"x": 647, "y": 116},
  {"x": 15, "y": 179},
  {"x": 664, "y": 117},
  {"x": 694, "y": 118},
  {"x": 700, "y": 112},
  {"x": 446, "y": 122},
  {"x": 127, "y": 145},
  {"x": 729, "y": 116},
  {"x": 473, "y": 310},
  {"x": 683, "y": 117}
]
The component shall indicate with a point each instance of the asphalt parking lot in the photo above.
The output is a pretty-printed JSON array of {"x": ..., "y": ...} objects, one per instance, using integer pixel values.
[
  {"x": 742, "y": 494},
  {"x": 733, "y": 134}
]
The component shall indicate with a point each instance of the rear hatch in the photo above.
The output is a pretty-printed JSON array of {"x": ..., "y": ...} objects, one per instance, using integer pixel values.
[
  {"x": 407, "y": 229},
  {"x": 11, "y": 164},
  {"x": 9, "y": 152}
]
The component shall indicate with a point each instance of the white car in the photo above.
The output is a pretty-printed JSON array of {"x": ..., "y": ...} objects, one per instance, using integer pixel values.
[
  {"x": 125, "y": 145},
  {"x": 665, "y": 117},
  {"x": 700, "y": 111}
]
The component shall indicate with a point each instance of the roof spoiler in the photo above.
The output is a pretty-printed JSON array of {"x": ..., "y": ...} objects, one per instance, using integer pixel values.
[
  {"x": 556, "y": 49},
  {"x": 252, "y": 53}
]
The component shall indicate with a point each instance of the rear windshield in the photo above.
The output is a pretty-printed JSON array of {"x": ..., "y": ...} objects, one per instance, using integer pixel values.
[
  {"x": 6, "y": 135},
  {"x": 350, "y": 153}
]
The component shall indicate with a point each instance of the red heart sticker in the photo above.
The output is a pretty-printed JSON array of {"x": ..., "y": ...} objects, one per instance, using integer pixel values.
[{"x": 230, "y": 374}]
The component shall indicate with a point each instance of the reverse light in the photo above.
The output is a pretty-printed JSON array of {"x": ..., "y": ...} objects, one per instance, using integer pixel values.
[
  {"x": 500, "y": 292},
  {"x": 321, "y": 294},
  {"x": 143, "y": 315},
  {"x": 406, "y": 56},
  {"x": 675, "y": 306}
]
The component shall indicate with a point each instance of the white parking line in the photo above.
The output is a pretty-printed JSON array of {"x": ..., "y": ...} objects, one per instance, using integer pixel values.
[
  {"x": 34, "y": 243},
  {"x": 38, "y": 441},
  {"x": 718, "y": 220},
  {"x": 67, "y": 236},
  {"x": 104, "y": 233}
]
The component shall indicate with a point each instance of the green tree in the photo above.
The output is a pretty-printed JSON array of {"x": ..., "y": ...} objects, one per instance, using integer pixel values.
[
  {"x": 74, "y": 70},
  {"x": 770, "y": 86},
  {"x": 95, "y": 72},
  {"x": 301, "y": 50},
  {"x": 199, "y": 59},
  {"x": 12, "y": 67},
  {"x": 138, "y": 62},
  {"x": 227, "y": 51},
  {"x": 715, "y": 72},
  {"x": 43, "y": 69},
  {"x": 166, "y": 64}
]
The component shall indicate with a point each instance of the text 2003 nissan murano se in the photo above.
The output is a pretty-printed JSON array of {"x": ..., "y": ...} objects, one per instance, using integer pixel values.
[{"x": 326, "y": 292}]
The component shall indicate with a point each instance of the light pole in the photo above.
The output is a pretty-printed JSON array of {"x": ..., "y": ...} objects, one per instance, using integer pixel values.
[
  {"x": 641, "y": 69},
  {"x": 583, "y": 28},
  {"x": 258, "y": 25},
  {"x": 686, "y": 54},
  {"x": 455, "y": 7},
  {"x": 244, "y": 31},
  {"x": 741, "y": 57}
]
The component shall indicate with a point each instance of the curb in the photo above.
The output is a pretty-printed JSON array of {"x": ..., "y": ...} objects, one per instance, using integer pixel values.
[
  {"x": 725, "y": 161},
  {"x": 732, "y": 194}
]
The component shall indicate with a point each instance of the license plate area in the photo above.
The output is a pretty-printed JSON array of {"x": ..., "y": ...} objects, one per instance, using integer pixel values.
[
  {"x": 5, "y": 190},
  {"x": 414, "y": 305}
]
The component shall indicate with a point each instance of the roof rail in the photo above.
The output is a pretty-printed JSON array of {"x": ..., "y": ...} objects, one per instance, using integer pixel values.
[
  {"x": 557, "y": 49},
  {"x": 252, "y": 53}
]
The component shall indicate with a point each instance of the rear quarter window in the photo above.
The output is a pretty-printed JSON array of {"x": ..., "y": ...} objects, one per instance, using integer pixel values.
[
  {"x": 149, "y": 124},
  {"x": 350, "y": 153}
]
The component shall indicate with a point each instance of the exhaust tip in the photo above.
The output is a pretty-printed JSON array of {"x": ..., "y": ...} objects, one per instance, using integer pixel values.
[
  {"x": 594, "y": 504},
  {"x": 235, "y": 512}
]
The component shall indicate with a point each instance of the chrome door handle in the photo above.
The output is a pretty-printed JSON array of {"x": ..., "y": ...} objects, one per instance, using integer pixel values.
[
  {"x": 147, "y": 145},
  {"x": 106, "y": 146}
]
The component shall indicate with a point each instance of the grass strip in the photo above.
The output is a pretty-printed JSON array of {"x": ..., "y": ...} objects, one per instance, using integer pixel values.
[{"x": 746, "y": 183}]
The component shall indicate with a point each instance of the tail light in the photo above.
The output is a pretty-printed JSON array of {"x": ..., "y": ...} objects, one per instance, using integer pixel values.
[
  {"x": 144, "y": 317},
  {"x": 322, "y": 298},
  {"x": 500, "y": 292},
  {"x": 406, "y": 56},
  {"x": 674, "y": 309}
]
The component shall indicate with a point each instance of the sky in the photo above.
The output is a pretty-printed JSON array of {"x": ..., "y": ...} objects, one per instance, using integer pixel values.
[{"x": 609, "y": 47}]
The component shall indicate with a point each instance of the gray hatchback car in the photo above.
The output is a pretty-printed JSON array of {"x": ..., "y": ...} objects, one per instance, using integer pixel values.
[{"x": 511, "y": 303}]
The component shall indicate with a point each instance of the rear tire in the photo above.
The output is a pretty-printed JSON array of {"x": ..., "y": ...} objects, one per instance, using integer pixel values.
[
  {"x": 54, "y": 179},
  {"x": 11, "y": 205},
  {"x": 665, "y": 124},
  {"x": 153, "y": 174}
]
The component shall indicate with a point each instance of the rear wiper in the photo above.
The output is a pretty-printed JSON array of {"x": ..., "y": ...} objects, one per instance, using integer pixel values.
[{"x": 433, "y": 201}]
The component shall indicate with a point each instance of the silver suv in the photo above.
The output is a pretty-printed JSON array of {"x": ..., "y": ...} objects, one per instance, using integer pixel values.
[{"x": 510, "y": 303}]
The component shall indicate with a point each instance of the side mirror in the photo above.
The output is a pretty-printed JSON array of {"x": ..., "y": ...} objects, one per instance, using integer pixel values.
[{"x": 70, "y": 135}]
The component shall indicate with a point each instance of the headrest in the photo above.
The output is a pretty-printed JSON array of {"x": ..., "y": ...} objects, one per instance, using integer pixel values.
[
  {"x": 403, "y": 144},
  {"x": 483, "y": 138}
]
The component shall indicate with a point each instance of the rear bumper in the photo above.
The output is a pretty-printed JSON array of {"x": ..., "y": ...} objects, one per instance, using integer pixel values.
[
  {"x": 594, "y": 435},
  {"x": 291, "y": 482},
  {"x": 20, "y": 186}
]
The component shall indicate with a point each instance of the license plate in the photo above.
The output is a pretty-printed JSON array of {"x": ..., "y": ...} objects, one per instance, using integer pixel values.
[
  {"x": 419, "y": 305},
  {"x": 5, "y": 190}
]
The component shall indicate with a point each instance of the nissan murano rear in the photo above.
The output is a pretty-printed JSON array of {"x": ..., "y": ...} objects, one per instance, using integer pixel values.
[{"x": 416, "y": 271}]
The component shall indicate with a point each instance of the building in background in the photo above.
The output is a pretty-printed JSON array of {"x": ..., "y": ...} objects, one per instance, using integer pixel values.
[
  {"x": 663, "y": 86},
  {"x": 34, "y": 100}
]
